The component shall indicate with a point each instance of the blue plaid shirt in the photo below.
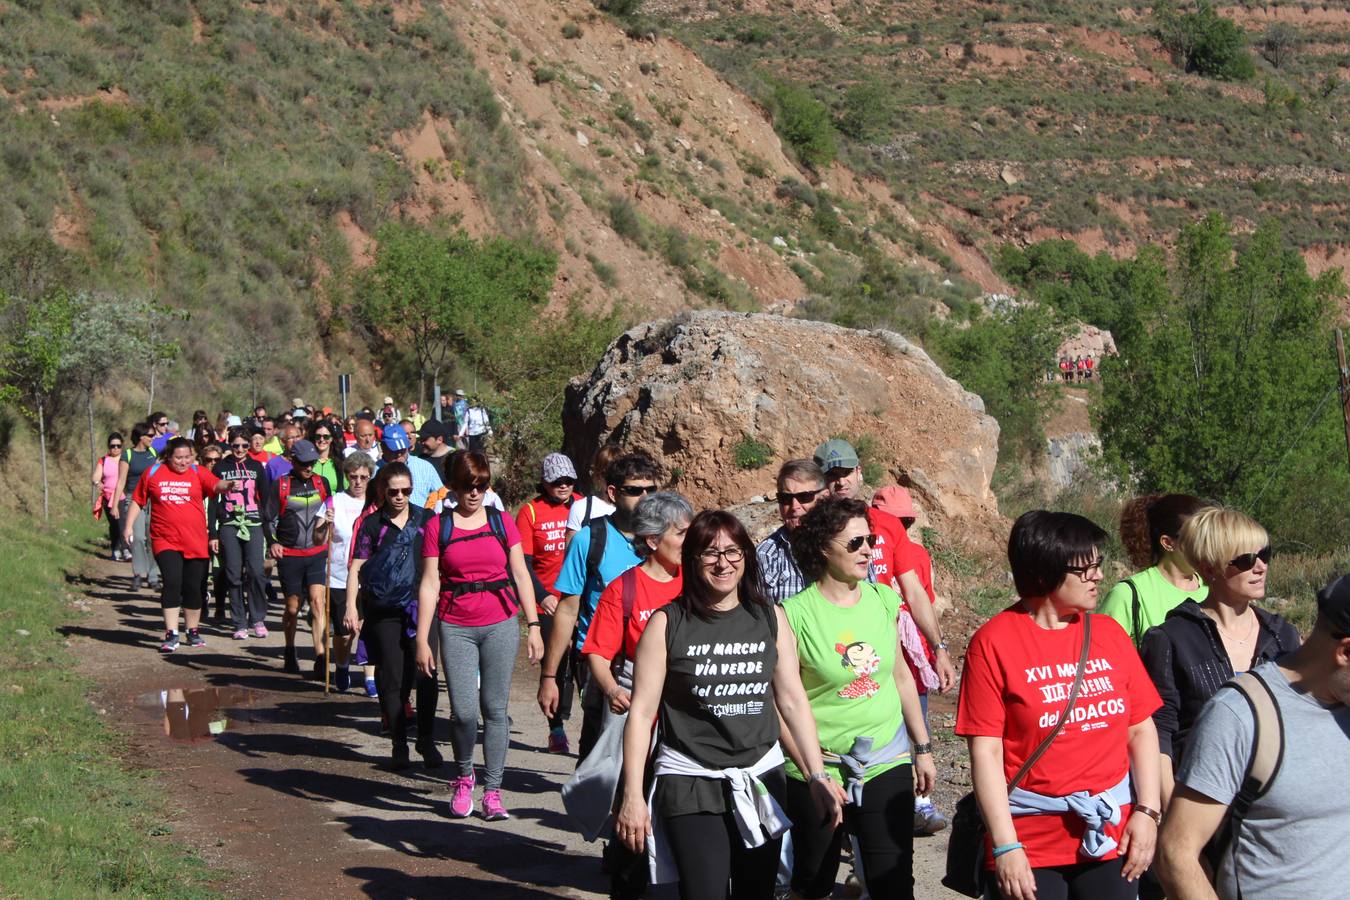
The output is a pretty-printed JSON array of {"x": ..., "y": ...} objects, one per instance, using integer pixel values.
[{"x": 778, "y": 571}]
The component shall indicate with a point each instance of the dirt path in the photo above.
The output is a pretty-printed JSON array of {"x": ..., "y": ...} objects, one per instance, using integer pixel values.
[{"x": 293, "y": 794}]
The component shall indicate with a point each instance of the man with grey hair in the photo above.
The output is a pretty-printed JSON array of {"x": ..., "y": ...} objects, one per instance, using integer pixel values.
[{"x": 800, "y": 484}]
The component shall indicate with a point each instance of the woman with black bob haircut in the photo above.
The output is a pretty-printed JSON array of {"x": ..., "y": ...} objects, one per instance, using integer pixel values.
[
  {"x": 866, "y": 707},
  {"x": 1079, "y": 820},
  {"x": 717, "y": 666}
]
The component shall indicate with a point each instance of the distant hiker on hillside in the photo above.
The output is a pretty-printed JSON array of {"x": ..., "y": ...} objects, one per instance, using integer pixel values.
[
  {"x": 105, "y": 475},
  {"x": 476, "y": 428},
  {"x": 461, "y": 410},
  {"x": 1064, "y": 374},
  {"x": 415, "y": 416}
]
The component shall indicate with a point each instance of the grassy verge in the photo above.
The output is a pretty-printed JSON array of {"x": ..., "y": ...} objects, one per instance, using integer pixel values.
[{"x": 73, "y": 821}]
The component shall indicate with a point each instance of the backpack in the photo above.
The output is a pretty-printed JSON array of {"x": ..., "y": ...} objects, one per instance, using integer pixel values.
[
  {"x": 599, "y": 535},
  {"x": 389, "y": 577},
  {"x": 292, "y": 536},
  {"x": 496, "y": 528},
  {"x": 1263, "y": 765}
]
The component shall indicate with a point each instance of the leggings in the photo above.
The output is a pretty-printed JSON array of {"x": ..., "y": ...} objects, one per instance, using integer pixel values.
[
  {"x": 114, "y": 528},
  {"x": 470, "y": 654},
  {"x": 244, "y": 560},
  {"x": 394, "y": 653},
  {"x": 1083, "y": 881},
  {"x": 710, "y": 854},
  {"x": 142, "y": 561},
  {"x": 181, "y": 584},
  {"x": 566, "y": 675},
  {"x": 884, "y": 827}
]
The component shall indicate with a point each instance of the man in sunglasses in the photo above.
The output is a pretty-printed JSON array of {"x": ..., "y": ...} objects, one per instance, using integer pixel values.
[
  {"x": 1287, "y": 840},
  {"x": 542, "y": 524},
  {"x": 434, "y": 439},
  {"x": 296, "y": 519},
  {"x": 800, "y": 485},
  {"x": 596, "y": 556},
  {"x": 425, "y": 478}
]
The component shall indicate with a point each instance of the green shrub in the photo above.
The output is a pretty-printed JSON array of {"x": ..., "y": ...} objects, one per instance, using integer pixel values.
[
  {"x": 571, "y": 31},
  {"x": 1204, "y": 42},
  {"x": 543, "y": 75},
  {"x": 752, "y": 454},
  {"x": 624, "y": 219},
  {"x": 804, "y": 122}
]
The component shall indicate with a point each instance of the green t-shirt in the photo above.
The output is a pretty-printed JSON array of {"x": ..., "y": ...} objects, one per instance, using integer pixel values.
[
  {"x": 847, "y": 657},
  {"x": 1157, "y": 598}
]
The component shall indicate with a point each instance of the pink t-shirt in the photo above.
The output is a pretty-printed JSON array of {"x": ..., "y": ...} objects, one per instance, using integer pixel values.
[
  {"x": 110, "y": 477},
  {"x": 479, "y": 558}
]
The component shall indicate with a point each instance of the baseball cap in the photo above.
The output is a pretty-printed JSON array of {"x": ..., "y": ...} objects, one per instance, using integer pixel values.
[
  {"x": 557, "y": 465},
  {"x": 460, "y": 393},
  {"x": 388, "y": 401},
  {"x": 296, "y": 401},
  {"x": 894, "y": 500},
  {"x": 303, "y": 451},
  {"x": 233, "y": 422},
  {"x": 836, "y": 453},
  {"x": 328, "y": 410},
  {"x": 1333, "y": 604},
  {"x": 433, "y": 428},
  {"x": 299, "y": 413},
  {"x": 395, "y": 438}
]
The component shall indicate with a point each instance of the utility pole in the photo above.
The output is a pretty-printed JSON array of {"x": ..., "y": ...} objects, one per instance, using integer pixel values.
[{"x": 1344, "y": 372}]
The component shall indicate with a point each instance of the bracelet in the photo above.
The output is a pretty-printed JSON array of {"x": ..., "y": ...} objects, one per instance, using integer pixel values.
[
  {"x": 533, "y": 625},
  {"x": 543, "y": 675},
  {"x": 820, "y": 776},
  {"x": 1150, "y": 812},
  {"x": 924, "y": 749},
  {"x": 1007, "y": 848}
]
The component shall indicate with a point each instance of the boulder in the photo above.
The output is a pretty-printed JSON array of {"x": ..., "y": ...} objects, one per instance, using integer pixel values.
[{"x": 693, "y": 389}]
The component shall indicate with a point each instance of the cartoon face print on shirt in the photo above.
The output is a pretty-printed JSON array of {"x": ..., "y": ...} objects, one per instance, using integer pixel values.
[{"x": 862, "y": 660}]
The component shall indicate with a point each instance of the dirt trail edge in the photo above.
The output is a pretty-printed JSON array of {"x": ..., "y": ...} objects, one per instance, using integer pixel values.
[{"x": 294, "y": 795}]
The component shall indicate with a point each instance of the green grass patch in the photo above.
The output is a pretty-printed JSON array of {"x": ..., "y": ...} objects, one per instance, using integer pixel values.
[
  {"x": 752, "y": 454},
  {"x": 73, "y": 822}
]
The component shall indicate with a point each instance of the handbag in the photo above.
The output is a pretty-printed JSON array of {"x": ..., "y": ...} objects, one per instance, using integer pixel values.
[{"x": 966, "y": 873}]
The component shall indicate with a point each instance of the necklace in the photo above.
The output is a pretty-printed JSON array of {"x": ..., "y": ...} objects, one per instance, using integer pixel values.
[{"x": 1237, "y": 640}]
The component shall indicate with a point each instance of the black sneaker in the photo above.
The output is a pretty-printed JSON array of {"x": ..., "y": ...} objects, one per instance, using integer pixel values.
[
  {"x": 400, "y": 759},
  {"x": 431, "y": 756},
  {"x": 291, "y": 665},
  {"x": 194, "y": 639},
  {"x": 320, "y": 667},
  {"x": 170, "y": 642}
]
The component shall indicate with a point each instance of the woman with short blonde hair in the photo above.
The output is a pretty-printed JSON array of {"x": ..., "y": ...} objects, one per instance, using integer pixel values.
[{"x": 1201, "y": 645}]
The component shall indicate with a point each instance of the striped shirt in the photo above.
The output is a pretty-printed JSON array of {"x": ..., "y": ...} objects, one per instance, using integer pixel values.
[{"x": 778, "y": 570}]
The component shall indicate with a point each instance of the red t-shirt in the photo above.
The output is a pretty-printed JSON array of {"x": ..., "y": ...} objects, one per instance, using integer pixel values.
[
  {"x": 609, "y": 633},
  {"x": 479, "y": 559},
  {"x": 891, "y": 537},
  {"x": 1015, "y": 683},
  {"x": 177, "y": 510},
  {"x": 913, "y": 556},
  {"x": 543, "y": 536},
  {"x": 262, "y": 456}
]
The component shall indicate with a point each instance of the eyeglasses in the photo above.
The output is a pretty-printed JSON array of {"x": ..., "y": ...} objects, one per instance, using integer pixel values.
[
  {"x": 1247, "y": 561},
  {"x": 805, "y": 498},
  {"x": 854, "y": 544},
  {"x": 239, "y": 446},
  {"x": 636, "y": 490},
  {"x": 565, "y": 482},
  {"x": 399, "y": 492},
  {"x": 1084, "y": 571},
  {"x": 732, "y": 555},
  {"x": 358, "y": 477},
  {"x": 323, "y": 437}
]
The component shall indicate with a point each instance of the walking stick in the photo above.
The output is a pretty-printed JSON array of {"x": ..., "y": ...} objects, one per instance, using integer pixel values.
[{"x": 327, "y": 614}]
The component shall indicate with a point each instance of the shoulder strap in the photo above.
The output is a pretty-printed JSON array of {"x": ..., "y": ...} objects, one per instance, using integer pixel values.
[
  {"x": 1267, "y": 741},
  {"x": 320, "y": 485},
  {"x": 447, "y": 527},
  {"x": 586, "y": 516},
  {"x": 628, "y": 592},
  {"x": 595, "y": 553},
  {"x": 153, "y": 469},
  {"x": 494, "y": 517},
  {"x": 283, "y": 493},
  {"x": 534, "y": 518},
  {"x": 1134, "y": 612},
  {"x": 1068, "y": 707}
]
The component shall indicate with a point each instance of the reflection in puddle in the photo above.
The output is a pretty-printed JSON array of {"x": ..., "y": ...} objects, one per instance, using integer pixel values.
[{"x": 196, "y": 714}]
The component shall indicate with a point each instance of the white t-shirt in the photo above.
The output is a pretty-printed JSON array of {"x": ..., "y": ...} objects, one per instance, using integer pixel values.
[
  {"x": 490, "y": 498},
  {"x": 345, "y": 510},
  {"x": 599, "y": 506},
  {"x": 373, "y": 452}
]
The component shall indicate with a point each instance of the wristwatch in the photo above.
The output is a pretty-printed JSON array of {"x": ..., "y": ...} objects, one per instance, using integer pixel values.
[
  {"x": 924, "y": 749},
  {"x": 941, "y": 645}
]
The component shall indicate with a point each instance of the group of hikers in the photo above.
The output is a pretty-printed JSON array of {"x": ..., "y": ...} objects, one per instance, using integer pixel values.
[
  {"x": 753, "y": 713},
  {"x": 1075, "y": 369}
]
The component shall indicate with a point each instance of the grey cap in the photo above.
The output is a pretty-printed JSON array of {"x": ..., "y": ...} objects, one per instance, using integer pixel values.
[
  {"x": 557, "y": 465},
  {"x": 303, "y": 451},
  {"x": 836, "y": 453}
]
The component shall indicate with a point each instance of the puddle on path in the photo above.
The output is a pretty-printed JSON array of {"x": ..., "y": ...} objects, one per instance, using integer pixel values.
[{"x": 189, "y": 715}]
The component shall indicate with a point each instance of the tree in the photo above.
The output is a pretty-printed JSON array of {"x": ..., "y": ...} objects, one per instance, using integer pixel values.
[
  {"x": 804, "y": 122},
  {"x": 1226, "y": 393},
  {"x": 1279, "y": 44},
  {"x": 98, "y": 338},
  {"x": 31, "y": 361},
  {"x": 1203, "y": 41}
]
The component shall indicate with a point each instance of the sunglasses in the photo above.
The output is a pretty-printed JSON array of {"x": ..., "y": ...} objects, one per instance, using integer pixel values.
[
  {"x": 805, "y": 498},
  {"x": 239, "y": 446},
  {"x": 400, "y": 492},
  {"x": 636, "y": 490},
  {"x": 477, "y": 487},
  {"x": 564, "y": 482},
  {"x": 323, "y": 437},
  {"x": 114, "y": 446},
  {"x": 1246, "y": 561},
  {"x": 854, "y": 544},
  {"x": 162, "y": 424},
  {"x": 358, "y": 477}
]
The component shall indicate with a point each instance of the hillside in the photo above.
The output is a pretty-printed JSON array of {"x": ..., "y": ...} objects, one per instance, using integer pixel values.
[{"x": 1017, "y": 122}]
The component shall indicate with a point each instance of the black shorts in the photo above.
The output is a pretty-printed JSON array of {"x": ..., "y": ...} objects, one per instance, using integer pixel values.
[
  {"x": 337, "y": 610},
  {"x": 300, "y": 572}
]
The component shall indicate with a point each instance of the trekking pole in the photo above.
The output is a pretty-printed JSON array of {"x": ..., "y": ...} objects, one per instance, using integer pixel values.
[{"x": 327, "y": 615}]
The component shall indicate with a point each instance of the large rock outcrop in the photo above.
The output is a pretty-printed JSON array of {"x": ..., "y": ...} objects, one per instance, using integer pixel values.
[{"x": 693, "y": 389}]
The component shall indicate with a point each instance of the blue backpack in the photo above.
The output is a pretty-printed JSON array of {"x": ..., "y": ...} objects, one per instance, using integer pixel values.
[{"x": 389, "y": 577}]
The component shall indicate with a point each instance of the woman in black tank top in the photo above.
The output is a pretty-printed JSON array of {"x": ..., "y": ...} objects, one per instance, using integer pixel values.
[{"x": 715, "y": 668}]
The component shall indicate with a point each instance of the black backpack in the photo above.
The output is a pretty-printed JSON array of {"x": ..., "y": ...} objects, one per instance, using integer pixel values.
[{"x": 389, "y": 577}]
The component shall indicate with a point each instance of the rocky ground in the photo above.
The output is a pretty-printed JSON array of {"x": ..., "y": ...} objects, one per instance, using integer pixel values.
[{"x": 284, "y": 789}]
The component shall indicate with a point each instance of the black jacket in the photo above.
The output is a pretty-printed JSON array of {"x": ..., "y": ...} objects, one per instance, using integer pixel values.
[{"x": 1185, "y": 658}]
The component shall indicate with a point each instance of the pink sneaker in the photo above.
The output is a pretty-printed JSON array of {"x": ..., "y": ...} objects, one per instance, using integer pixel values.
[
  {"x": 241, "y": 635},
  {"x": 260, "y": 630},
  {"x": 461, "y": 805},
  {"x": 493, "y": 811}
]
